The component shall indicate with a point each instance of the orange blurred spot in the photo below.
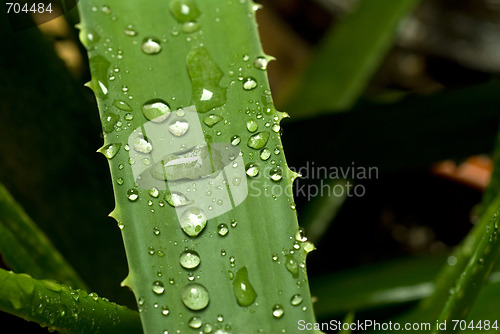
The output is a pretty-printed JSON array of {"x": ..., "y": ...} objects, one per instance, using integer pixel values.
[{"x": 474, "y": 172}]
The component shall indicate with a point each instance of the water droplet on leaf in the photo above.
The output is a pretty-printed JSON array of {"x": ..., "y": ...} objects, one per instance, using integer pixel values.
[
  {"x": 243, "y": 290},
  {"x": 189, "y": 259},
  {"x": 193, "y": 221},
  {"x": 195, "y": 296},
  {"x": 156, "y": 110},
  {"x": 258, "y": 140},
  {"x": 151, "y": 46}
]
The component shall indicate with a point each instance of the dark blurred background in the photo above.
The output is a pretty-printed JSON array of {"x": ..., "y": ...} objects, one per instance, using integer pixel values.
[{"x": 428, "y": 183}]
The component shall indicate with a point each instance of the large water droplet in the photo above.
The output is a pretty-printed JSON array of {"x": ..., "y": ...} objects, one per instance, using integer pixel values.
[
  {"x": 156, "y": 110},
  {"x": 296, "y": 300},
  {"x": 252, "y": 169},
  {"x": 184, "y": 10},
  {"x": 223, "y": 229},
  {"x": 193, "y": 221},
  {"x": 211, "y": 120},
  {"x": 235, "y": 140},
  {"x": 109, "y": 121},
  {"x": 265, "y": 153},
  {"x": 142, "y": 145},
  {"x": 195, "y": 322},
  {"x": 249, "y": 83},
  {"x": 276, "y": 174},
  {"x": 243, "y": 290},
  {"x": 205, "y": 76},
  {"x": 278, "y": 311},
  {"x": 151, "y": 45},
  {"x": 176, "y": 199},
  {"x": 252, "y": 125},
  {"x": 260, "y": 63},
  {"x": 178, "y": 127},
  {"x": 158, "y": 287},
  {"x": 195, "y": 296},
  {"x": 189, "y": 259},
  {"x": 133, "y": 194},
  {"x": 258, "y": 140},
  {"x": 110, "y": 150}
]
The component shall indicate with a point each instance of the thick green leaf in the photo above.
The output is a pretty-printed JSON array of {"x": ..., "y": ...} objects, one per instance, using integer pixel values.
[
  {"x": 347, "y": 58},
  {"x": 26, "y": 249},
  {"x": 60, "y": 308},
  {"x": 148, "y": 61}
]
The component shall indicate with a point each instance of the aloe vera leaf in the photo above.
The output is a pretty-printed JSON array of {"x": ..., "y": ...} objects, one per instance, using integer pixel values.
[
  {"x": 49, "y": 137},
  {"x": 322, "y": 210},
  {"x": 346, "y": 58},
  {"x": 479, "y": 265},
  {"x": 26, "y": 249},
  {"x": 61, "y": 308},
  {"x": 419, "y": 143},
  {"x": 249, "y": 273}
]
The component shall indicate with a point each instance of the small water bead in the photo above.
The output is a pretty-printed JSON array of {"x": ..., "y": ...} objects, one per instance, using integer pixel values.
[
  {"x": 158, "y": 287},
  {"x": 265, "y": 153},
  {"x": 132, "y": 194},
  {"x": 212, "y": 119},
  {"x": 243, "y": 290},
  {"x": 223, "y": 252},
  {"x": 122, "y": 105},
  {"x": 195, "y": 322},
  {"x": 165, "y": 311},
  {"x": 178, "y": 128},
  {"x": 220, "y": 318},
  {"x": 207, "y": 329},
  {"x": 156, "y": 230},
  {"x": 189, "y": 259},
  {"x": 151, "y": 45},
  {"x": 156, "y": 110},
  {"x": 278, "y": 311},
  {"x": 296, "y": 300},
  {"x": 142, "y": 145},
  {"x": 232, "y": 261},
  {"x": 130, "y": 31},
  {"x": 128, "y": 117},
  {"x": 176, "y": 199},
  {"x": 195, "y": 296},
  {"x": 276, "y": 174},
  {"x": 234, "y": 223},
  {"x": 190, "y": 27},
  {"x": 235, "y": 140},
  {"x": 260, "y": 63},
  {"x": 249, "y": 83},
  {"x": 276, "y": 128},
  {"x": 110, "y": 150},
  {"x": 275, "y": 257},
  {"x": 109, "y": 121},
  {"x": 193, "y": 221},
  {"x": 292, "y": 266},
  {"x": 258, "y": 140},
  {"x": 252, "y": 169},
  {"x": 184, "y": 10},
  {"x": 151, "y": 251},
  {"x": 154, "y": 192},
  {"x": 223, "y": 230},
  {"x": 252, "y": 125},
  {"x": 121, "y": 225}
]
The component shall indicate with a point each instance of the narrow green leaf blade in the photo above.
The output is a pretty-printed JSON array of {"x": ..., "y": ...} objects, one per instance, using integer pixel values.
[
  {"x": 153, "y": 65},
  {"x": 26, "y": 249},
  {"x": 60, "y": 308},
  {"x": 347, "y": 58}
]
